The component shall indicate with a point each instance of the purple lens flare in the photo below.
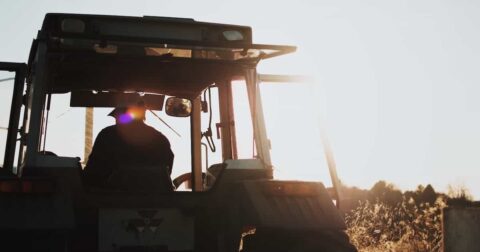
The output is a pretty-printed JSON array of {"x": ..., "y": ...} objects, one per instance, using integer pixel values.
[{"x": 126, "y": 118}]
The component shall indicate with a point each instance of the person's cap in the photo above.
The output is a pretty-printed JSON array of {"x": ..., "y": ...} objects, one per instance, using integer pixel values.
[
  {"x": 122, "y": 109},
  {"x": 118, "y": 111}
]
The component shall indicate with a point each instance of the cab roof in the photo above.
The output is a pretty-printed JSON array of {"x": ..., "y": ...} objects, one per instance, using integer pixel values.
[{"x": 174, "y": 56}]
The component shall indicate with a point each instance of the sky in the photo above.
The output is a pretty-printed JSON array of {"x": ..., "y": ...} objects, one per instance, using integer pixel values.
[{"x": 395, "y": 83}]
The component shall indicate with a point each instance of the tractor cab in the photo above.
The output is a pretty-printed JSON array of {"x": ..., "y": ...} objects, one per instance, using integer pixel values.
[{"x": 199, "y": 85}]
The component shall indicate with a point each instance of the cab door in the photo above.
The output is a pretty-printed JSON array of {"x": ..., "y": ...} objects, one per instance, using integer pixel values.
[{"x": 12, "y": 81}]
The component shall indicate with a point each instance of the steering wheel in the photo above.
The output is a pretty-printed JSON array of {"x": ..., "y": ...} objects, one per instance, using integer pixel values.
[{"x": 186, "y": 177}]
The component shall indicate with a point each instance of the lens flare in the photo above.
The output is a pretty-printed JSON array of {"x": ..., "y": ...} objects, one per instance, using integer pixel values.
[{"x": 126, "y": 118}]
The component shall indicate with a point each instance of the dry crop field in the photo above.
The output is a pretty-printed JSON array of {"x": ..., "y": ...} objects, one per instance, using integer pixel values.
[
  {"x": 403, "y": 227},
  {"x": 386, "y": 219}
]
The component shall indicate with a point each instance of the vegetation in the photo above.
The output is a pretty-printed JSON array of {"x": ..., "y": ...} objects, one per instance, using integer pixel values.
[
  {"x": 403, "y": 227},
  {"x": 385, "y": 219}
]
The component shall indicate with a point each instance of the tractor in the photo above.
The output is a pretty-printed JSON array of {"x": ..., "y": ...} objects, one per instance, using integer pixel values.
[{"x": 188, "y": 74}]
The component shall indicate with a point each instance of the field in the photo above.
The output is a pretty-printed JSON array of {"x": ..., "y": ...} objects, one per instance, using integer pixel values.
[
  {"x": 402, "y": 227},
  {"x": 385, "y": 219}
]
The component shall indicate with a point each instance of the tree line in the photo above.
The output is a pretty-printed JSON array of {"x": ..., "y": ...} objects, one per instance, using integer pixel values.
[{"x": 389, "y": 194}]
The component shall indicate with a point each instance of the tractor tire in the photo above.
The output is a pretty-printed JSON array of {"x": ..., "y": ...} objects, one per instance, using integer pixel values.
[
  {"x": 330, "y": 242},
  {"x": 326, "y": 241}
]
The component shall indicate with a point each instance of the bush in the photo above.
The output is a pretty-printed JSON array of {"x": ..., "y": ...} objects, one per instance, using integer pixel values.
[{"x": 405, "y": 226}]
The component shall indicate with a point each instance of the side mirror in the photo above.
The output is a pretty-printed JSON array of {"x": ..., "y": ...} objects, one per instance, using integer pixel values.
[{"x": 178, "y": 107}]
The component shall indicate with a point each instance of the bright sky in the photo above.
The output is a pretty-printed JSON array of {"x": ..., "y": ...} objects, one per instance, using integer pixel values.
[{"x": 396, "y": 81}]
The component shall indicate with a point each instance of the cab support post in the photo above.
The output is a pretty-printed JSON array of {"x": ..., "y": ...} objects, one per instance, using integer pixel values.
[
  {"x": 35, "y": 105},
  {"x": 226, "y": 119},
  {"x": 196, "y": 134}
]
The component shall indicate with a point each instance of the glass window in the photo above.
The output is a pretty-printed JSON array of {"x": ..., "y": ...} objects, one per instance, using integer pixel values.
[
  {"x": 66, "y": 131},
  {"x": 243, "y": 121},
  {"x": 180, "y": 144},
  {"x": 293, "y": 126}
]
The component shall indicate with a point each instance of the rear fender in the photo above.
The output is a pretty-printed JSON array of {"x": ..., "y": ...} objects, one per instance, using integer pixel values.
[{"x": 289, "y": 205}]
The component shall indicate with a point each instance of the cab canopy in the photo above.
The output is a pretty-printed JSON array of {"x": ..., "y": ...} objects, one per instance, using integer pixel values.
[{"x": 171, "y": 56}]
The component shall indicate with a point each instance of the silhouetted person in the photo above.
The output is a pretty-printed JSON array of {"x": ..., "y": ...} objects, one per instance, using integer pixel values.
[{"x": 130, "y": 155}]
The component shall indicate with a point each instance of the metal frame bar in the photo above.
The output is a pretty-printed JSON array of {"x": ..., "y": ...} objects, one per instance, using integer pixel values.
[
  {"x": 281, "y": 78},
  {"x": 196, "y": 135},
  {"x": 35, "y": 105},
  {"x": 232, "y": 124},
  {"x": 225, "y": 120},
  {"x": 20, "y": 70},
  {"x": 174, "y": 42},
  {"x": 158, "y": 60}
]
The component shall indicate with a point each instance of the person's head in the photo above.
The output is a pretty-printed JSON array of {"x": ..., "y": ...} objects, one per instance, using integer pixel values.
[{"x": 129, "y": 113}]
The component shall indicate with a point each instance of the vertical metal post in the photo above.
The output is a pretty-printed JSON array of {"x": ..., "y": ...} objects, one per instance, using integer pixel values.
[
  {"x": 23, "y": 130},
  {"x": 35, "y": 106},
  {"x": 332, "y": 168},
  {"x": 20, "y": 72},
  {"x": 225, "y": 120},
  {"x": 231, "y": 122},
  {"x": 196, "y": 134},
  {"x": 88, "y": 134}
]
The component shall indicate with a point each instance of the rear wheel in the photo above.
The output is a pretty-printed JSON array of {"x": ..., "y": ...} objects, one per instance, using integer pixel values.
[
  {"x": 329, "y": 241},
  {"x": 326, "y": 241}
]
